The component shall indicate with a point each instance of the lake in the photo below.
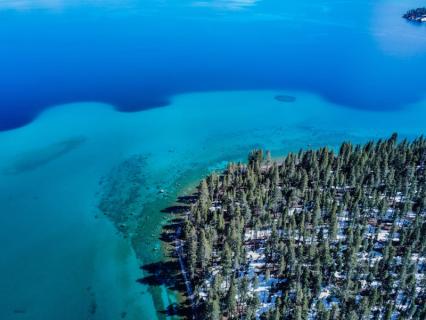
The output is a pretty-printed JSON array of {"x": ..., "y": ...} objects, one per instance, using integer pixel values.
[{"x": 122, "y": 99}]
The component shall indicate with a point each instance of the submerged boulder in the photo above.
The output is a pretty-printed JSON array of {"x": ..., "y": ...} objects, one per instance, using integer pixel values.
[{"x": 285, "y": 98}]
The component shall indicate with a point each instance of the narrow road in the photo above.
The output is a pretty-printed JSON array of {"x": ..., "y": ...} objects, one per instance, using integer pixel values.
[{"x": 179, "y": 251}]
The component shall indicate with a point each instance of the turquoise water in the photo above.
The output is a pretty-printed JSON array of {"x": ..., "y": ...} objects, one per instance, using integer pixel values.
[
  {"x": 68, "y": 70},
  {"x": 64, "y": 260}
]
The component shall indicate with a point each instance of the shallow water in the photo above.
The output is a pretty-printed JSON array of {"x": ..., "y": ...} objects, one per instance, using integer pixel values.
[
  {"x": 67, "y": 68},
  {"x": 66, "y": 260}
]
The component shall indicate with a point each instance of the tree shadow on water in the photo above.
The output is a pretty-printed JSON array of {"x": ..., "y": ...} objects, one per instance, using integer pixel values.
[
  {"x": 182, "y": 310},
  {"x": 168, "y": 271},
  {"x": 176, "y": 209},
  {"x": 188, "y": 199}
]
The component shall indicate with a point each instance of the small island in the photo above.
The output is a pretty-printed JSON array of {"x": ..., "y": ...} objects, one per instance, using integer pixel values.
[
  {"x": 416, "y": 15},
  {"x": 317, "y": 235}
]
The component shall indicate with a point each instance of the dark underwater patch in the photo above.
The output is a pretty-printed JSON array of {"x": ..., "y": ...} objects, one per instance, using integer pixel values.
[
  {"x": 120, "y": 195},
  {"x": 31, "y": 160},
  {"x": 285, "y": 98}
]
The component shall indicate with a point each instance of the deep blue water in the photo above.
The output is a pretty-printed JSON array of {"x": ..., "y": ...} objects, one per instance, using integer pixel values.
[
  {"x": 136, "y": 54},
  {"x": 61, "y": 256}
]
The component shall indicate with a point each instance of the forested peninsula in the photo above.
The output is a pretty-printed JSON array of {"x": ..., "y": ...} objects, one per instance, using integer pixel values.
[{"x": 319, "y": 234}]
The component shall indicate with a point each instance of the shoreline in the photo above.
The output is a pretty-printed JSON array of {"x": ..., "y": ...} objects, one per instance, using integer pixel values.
[
  {"x": 163, "y": 136},
  {"x": 329, "y": 226},
  {"x": 179, "y": 251}
]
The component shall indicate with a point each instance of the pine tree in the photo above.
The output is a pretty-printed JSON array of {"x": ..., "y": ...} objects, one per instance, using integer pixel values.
[
  {"x": 297, "y": 208},
  {"x": 214, "y": 312},
  {"x": 231, "y": 300}
]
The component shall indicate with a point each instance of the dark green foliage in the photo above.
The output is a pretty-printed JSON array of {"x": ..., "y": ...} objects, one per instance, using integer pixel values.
[
  {"x": 415, "y": 14},
  {"x": 331, "y": 236}
]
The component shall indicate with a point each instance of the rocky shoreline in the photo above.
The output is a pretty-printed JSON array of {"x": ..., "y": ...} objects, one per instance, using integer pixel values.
[{"x": 416, "y": 15}]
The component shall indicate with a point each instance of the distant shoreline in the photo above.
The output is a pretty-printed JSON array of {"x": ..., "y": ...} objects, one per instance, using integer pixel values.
[{"x": 416, "y": 15}]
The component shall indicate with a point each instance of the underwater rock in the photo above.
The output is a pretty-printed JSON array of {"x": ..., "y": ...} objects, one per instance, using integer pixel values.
[
  {"x": 120, "y": 195},
  {"x": 20, "y": 311},
  {"x": 285, "y": 98}
]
